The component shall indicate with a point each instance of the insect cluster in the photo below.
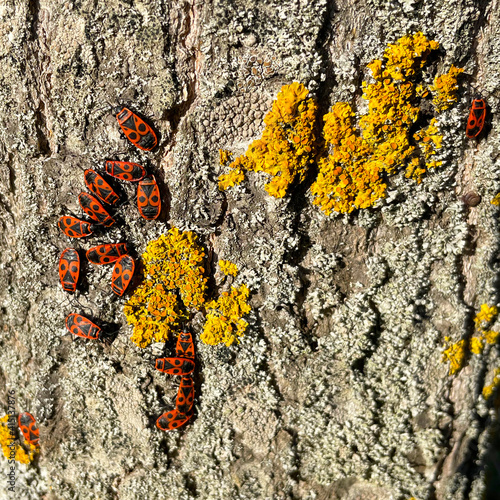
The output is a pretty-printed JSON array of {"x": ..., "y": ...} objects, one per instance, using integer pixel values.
[
  {"x": 148, "y": 204},
  {"x": 183, "y": 366}
]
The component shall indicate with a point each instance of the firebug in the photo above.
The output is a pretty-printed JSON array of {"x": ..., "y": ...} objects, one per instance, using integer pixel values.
[
  {"x": 93, "y": 208},
  {"x": 82, "y": 327},
  {"x": 107, "y": 253},
  {"x": 148, "y": 198},
  {"x": 75, "y": 228},
  {"x": 175, "y": 366},
  {"x": 185, "y": 396},
  {"x": 27, "y": 424},
  {"x": 172, "y": 420},
  {"x": 69, "y": 269},
  {"x": 100, "y": 187},
  {"x": 122, "y": 274},
  {"x": 125, "y": 170},
  {"x": 138, "y": 132},
  {"x": 477, "y": 116},
  {"x": 185, "y": 346}
]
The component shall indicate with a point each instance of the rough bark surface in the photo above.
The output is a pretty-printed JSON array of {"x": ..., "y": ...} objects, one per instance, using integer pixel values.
[{"x": 337, "y": 390}]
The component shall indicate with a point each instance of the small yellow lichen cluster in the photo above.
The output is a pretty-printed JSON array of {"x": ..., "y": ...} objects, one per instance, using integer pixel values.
[
  {"x": 13, "y": 450},
  {"x": 173, "y": 269},
  {"x": 496, "y": 200},
  {"x": 429, "y": 141},
  {"x": 351, "y": 177},
  {"x": 224, "y": 317},
  {"x": 456, "y": 353},
  {"x": 445, "y": 89},
  {"x": 224, "y": 156},
  {"x": 228, "y": 267},
  {"x": 488, "y": 389},
  {"x": 287, "y": 146},
  {"x": 483, "y": 318}
]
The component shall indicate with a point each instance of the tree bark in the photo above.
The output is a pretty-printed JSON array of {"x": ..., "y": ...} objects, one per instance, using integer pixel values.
[{"x": 337, "y": 390}]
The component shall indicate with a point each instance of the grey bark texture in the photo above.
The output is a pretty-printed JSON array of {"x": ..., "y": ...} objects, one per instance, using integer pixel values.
[{"x": 337, "y": 390}]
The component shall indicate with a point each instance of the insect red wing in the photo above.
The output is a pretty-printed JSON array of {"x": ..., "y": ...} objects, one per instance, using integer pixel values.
[
  {"x": 106, "y": 254},
  {"x": 91, "y": 206},
  {"x": 175, "y": 366},
  {"x": 184, "y": 347},
  {"x": 477, "y": 117},
  {"x": 100, "y": 187},
  {"x": 172, "y": 420},
  {"x": 69, "y": 269},
  {"x": 125, "y": 171},
  {"x": 82, "y": 327},
  {"x": 148, "y": 198},
  {"x": 122, "y": 274},
  {"x": 185, "y": 396},
  {"x": 27, "y": 424},
  {"x": 73, "y": 227},
  {"x": 138, "y": 132}
]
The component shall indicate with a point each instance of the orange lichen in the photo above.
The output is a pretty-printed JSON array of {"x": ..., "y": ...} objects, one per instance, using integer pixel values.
[
  {"x": 228, "y": 267},
  {"x": 488, "y": 389},
  {"x": 225, "y": 321},
  {"x": 174, "y": 283},
  {"x": 352, "y": 177},
  {"x": 455, "y": 354},
  {"x": 496, "y": 200},
  {"x": 287, "y": 146},
  {"x": 445, "y": 89},
  {"x": 485, "y": 315}
]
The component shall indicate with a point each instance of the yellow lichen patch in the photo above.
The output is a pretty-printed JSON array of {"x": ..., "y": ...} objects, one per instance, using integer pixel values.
[
  {"x": 445, "y": 89},
  {"x": 10, "y": 448},
  {"x": 476, "y": 345},
  {"x": 496, "y": 200},
  {"x": 225, "y": 321},
  {"x": 488, "y": 389},
  {"x": 490, "y": 336},
  {"x": 407, "y": 56},
  {"x": 228, "y": 268},
  {"x": 224, "y": 156},
  {"x": 485, "y": 315},
  {"x": 287, "y": 146},
  {"x": 429, "y": 141},
  {"x": 455, "y": 354},
  {"x": 173, "y": 283},
  {"x": 352, "y": 177},
  {"x": 348, "y": 179}
]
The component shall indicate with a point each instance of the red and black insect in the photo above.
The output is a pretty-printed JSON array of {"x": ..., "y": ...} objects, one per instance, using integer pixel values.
[
  {"x": 138, "y": 132},
  {"x": 148, "y": 198},
  {"x": 185, "y": 396},
  {"x": 107, "y": 253},
  {"x": 82, "y": 327},
  {"x": 125, "y": 170},
  {"x": 93, "y": 208},
  {"x": 175, "y": 366},
  {"x": 100, "y": 187},
  {"x": 122, "y": 274},
  {"x": 185, "y": 346},
  {"x": 477, "y": 116},
  {"x": 172, "y": 420},
  {"x": 27, "y": 424},
  {"x": 75, "y": 228},
  {"x": 69, "y": 269}
]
